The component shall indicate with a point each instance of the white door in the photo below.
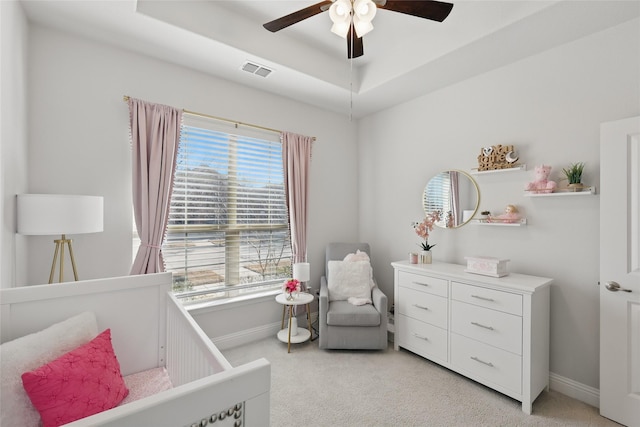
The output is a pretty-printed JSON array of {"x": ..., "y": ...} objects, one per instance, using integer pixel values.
[{"x": 620, "y": 271}]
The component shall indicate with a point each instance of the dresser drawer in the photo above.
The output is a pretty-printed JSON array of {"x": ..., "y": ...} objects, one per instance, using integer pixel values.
[
  {"x": 423, "y": 306},
  {"x": 422, "y": 338},
  {"x": 490, "y": 298},
  {"x": 497, "y": 367},
  {"x": 492, "y": 327},
  {"x": 422, "y": 283}
]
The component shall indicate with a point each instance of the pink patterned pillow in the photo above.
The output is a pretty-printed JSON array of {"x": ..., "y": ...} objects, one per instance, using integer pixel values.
[{"x": 80, "y": 383}]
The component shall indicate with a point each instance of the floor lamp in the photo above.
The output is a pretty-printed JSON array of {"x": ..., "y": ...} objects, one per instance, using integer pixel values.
[{"x": 58, "y": 214}]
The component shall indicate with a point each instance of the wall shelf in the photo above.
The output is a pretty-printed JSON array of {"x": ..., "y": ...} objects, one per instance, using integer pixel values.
[
  {"x": 492, "y": 171},
  {"x": 499, "y": 223},
  {"x": 588, "y": 191}
]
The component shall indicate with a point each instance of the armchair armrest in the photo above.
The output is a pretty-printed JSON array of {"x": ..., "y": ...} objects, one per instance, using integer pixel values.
[
  {"x": 323, "y": 308},
  {"x": 379, "y": 300},
  {"x": 323, "y": 300}
]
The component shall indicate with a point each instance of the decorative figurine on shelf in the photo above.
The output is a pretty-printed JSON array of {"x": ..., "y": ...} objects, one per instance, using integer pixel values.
[
  {"x": 497, "y": 157},
  {"x": 542, "y": 184},
  {"x": 510, "y": 215}
]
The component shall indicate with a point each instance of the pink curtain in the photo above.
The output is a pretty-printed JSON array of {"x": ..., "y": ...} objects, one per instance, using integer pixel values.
[
  {"x": 155, "y": 134},
  {"x": 455, "y": 199},
  {"x": 296, "y": 160}
]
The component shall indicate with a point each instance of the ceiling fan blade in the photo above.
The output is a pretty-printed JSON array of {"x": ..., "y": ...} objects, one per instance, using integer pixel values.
[
  {"x": 292, "y": 18},
  {"x": 428, "y": 9},
  {"x": 355, "y": 49}
]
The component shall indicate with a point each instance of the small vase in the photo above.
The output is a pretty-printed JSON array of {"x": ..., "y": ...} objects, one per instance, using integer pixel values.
[
  {"x": 576, "y": 187},
  {"x": 425, "y": 257},
  {"x": 289, "y": 296}
]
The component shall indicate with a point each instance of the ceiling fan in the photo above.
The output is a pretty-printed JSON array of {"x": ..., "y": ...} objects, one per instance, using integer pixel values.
[{"x": 352, "y": 18}]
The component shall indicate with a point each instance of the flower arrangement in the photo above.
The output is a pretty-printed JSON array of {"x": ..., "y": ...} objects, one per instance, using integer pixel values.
[
  {"x": 291, "y": 286},
  {"x": 423, "y": 228}
]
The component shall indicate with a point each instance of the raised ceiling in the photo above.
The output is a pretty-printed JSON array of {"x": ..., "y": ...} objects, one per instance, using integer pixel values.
[{"x": 404, "y": 56}]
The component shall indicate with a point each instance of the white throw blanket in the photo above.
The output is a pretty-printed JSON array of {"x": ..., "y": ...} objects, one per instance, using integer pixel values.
[{"x": 350, "y": 279}]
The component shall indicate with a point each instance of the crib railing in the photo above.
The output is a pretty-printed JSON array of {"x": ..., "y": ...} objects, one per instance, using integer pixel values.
[{"x": 190, "y": 353}]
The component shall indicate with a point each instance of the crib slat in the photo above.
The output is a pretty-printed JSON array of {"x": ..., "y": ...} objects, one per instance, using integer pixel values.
[{"x": 187, "y": 342}]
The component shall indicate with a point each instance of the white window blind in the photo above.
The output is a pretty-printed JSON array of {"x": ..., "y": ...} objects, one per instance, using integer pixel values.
[
  {"x": 228, "y": 230},
  {"x": 437, "y": 195}
]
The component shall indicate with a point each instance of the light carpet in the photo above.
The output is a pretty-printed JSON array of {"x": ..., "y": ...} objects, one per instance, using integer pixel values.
[{"x": 313, "y": 387}]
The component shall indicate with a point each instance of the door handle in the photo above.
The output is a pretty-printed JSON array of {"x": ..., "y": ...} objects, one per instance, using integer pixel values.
[{"x": 615, "y": 287}]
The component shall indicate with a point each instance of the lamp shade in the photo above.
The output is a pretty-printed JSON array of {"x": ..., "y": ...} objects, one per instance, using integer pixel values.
[
  {"x": 364, "y": 11},
  {"x": 340, "y": 14},
  {"x": 301, "y": 271},
  {"x": 49, "y": 214}
]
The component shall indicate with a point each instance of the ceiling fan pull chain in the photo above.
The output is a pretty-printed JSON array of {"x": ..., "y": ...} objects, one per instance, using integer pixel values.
[{"x": 351, "y": 82}]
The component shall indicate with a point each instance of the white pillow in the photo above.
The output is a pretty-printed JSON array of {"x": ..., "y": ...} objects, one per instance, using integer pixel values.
[
  {"x": 349, "y": 279},
  {"x": 30, "y": 352},
  {"x": 358, "y": 256}
]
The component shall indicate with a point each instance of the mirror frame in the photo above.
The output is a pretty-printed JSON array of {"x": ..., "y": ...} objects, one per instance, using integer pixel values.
[{"x": 443, "y": 223}]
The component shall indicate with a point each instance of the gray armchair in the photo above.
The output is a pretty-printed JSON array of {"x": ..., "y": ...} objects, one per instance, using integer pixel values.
[{"x": 346, "y": 326}]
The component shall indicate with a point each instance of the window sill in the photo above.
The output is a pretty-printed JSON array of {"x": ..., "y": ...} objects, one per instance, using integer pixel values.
[{"x": 228, "y": 303}]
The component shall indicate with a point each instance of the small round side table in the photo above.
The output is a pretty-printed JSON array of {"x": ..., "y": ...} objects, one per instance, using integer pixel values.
[{"x": 303, "y": 334}]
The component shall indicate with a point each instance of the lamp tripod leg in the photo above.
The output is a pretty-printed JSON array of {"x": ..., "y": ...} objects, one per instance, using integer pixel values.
[
  {"x": 61, "y": 278},
  {"x": 73, "y": 260},
  {"x": 53, "y": 264},
  {"x": 60, "y": 251}
]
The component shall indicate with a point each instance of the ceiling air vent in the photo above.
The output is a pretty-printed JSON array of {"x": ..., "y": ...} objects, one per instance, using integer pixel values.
[{"x": 256, "y": 69}]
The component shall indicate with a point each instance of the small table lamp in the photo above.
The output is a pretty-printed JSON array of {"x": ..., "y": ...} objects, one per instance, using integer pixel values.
[
  {"x": 57, "y": 214},
  {"x": 301, "y": 272}
]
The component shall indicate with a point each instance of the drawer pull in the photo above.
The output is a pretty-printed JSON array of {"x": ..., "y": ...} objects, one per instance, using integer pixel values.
[
  {"x": 420, "y": 336},
  {"x": 482, "y": 326},
  {"x": 420, "y": 283},
  {"x": 421, "y": 307},
  {"x": 483, "y": 298},
  {"x": 482, "y": 361}
]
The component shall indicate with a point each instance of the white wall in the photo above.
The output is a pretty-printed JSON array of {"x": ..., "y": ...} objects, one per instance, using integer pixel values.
[
  {"x": 550, "y": 106},
  {"x": 13, "y": 131},
  {"x": 79, "y": 144}
]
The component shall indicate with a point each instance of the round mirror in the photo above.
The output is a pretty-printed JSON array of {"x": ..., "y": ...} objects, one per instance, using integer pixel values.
[{"x": 454, "y": 195}]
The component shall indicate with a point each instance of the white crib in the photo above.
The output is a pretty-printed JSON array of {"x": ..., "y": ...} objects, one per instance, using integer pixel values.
[{"x": 150, "y": 329}]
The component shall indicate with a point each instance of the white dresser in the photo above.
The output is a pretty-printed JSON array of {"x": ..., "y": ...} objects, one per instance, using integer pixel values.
[{"x": 492, "y": 330}]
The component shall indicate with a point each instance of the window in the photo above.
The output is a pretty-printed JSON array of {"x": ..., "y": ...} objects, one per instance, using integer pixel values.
[
  {"x": 437, "y": 195},
  {"x": 228, "y": 230}
]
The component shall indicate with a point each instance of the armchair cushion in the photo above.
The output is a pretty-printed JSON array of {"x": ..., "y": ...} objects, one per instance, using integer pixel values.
[
  {"x": 341, "y": 313},
  {"x": 349, "y": 279}
]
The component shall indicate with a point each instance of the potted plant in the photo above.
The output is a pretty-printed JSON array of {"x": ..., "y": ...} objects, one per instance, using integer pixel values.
[
  {"x": 423, "y": 229},
  {"x": 574, "y": 175}
]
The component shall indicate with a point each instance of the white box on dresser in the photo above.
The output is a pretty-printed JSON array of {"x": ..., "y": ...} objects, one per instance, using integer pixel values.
[{"x": 492, "y": 330}]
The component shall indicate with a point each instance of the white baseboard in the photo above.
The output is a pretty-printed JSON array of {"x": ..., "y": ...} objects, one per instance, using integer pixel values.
[
  {"x": 254, "y": 334},
  {"x": 246, "y": 336},
  {"x": 574, "y": 389}
]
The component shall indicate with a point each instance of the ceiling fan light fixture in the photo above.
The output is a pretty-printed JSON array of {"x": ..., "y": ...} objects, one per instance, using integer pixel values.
[
  {"x": 340, "y": 14},
  {"x": 340, "y": 28},
  {"x": 364, "y": 10},
  {"x": 362, "y": 27}
]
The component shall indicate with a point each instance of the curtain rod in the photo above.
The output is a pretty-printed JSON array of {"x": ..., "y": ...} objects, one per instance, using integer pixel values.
[{"x": 125, "y": 98}]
